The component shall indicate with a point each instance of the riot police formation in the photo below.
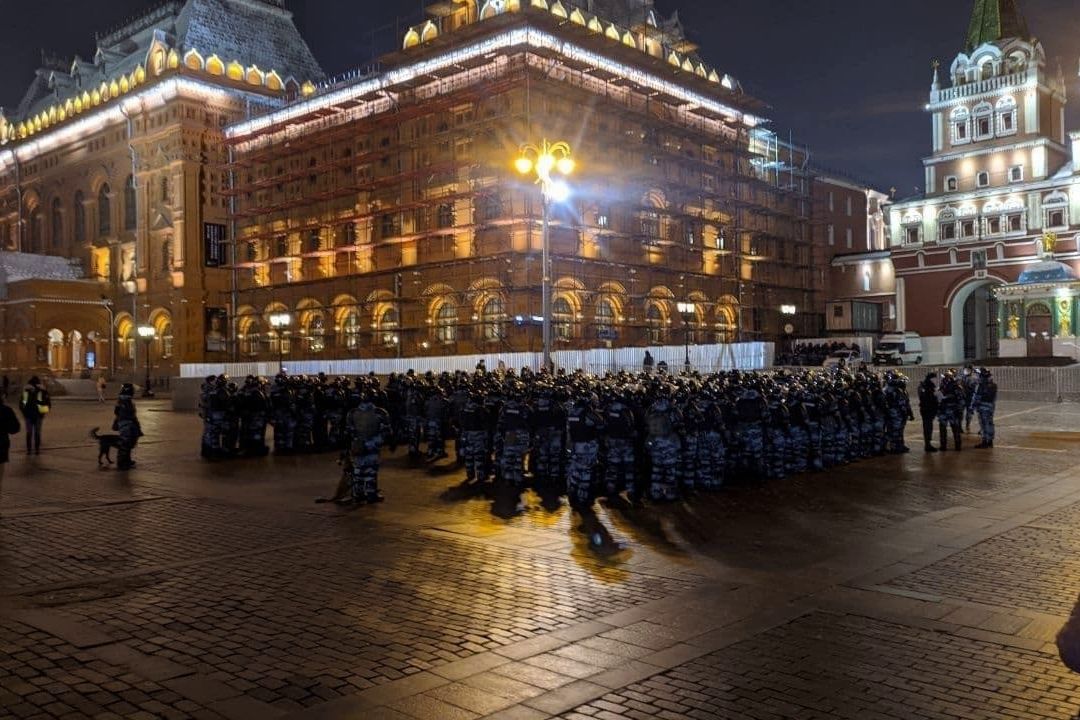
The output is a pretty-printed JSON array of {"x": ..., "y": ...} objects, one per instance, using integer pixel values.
[{"x": 624, "y": 437}]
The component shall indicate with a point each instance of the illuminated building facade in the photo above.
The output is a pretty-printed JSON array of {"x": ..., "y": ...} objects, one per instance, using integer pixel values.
[
  {"x": 385, "y": 217},
  {"x": 852, "y": 256},
  {"x": 1002, "y": 199},
  {"x": 111, "y": 178}
]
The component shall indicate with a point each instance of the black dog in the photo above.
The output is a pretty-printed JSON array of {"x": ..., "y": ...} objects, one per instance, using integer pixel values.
[{"x": 105, "y": 445}]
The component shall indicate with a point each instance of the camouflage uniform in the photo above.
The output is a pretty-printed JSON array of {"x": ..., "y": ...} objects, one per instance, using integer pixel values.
[
  {"x": 513, "y": 431},
  {"x": 985, "y": 401},
  {"x": 368, "y": 426},
  {"x": 619, "y": 470},
  {"x": 584, "y": 428},
  {"x": 750, "y": 412},
  {"x": 548, "y": 425},
  {"x": 474, "y": 433},
  {"x": 662, "y": 425}
]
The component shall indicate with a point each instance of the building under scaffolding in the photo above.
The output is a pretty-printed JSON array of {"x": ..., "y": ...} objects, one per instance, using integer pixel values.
[{"x": 384, "y": 216}]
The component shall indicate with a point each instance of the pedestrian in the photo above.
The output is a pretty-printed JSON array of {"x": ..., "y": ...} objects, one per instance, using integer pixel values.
[
  {"x": 368, "y": 427},
  {"x": 126, "y": 424},
  {"x": 950, "y": 410},
  {"x": 984, "y": 401},
  {"x": 9, "y": 425},
  {"x": 101, "y": 386},
  {"x": 6, "y": 386},
  {"x": 928, "y": 409},
  {"x": 34, "y": 405},
  {"x": 648, "y": 363}
]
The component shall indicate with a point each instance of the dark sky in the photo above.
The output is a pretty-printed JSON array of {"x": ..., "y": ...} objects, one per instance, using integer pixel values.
[{"x": 846, "y": 77}]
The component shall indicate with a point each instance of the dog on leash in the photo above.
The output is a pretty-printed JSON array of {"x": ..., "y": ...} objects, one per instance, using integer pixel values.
[{"x": 105, "y": 445}]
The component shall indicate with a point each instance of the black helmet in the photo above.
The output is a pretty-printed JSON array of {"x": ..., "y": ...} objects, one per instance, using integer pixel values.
[{"x": 127, "y": 389}]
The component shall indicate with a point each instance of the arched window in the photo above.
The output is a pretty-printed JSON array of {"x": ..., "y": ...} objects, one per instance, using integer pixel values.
[
  {"x": 79, "y": 221},
  {"x": 166, "y": 255},
  {"x": 492, "y": 315},
  {"x": 388, "y": 327},
  {"x": 129, "y": 203},
  {"x": 57, "y": 223},
  {"x": 983, "y": 116},
  {"x": 36, "y": 241},
  {"x": 1006, "y": 115},
  {"x": 562, "y": 316},
  {"x": 445, "y": 216},
  {"x": 446, "y": 323},
  {"x": 104, "y": 211},
  {"x": 250, "y": 337},
  {"x": 316, "y": 333},
  {"x": 165, "y": 338},
  {"x": 654, "y": 317},
  {"x": 961, "y": 126},
  {"x": 350, "y": 330},
  {"x": 605, "y": 317}
]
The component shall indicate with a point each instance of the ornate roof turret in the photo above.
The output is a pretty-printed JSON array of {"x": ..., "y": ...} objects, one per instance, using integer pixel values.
[{"x": 993, "y": 20}]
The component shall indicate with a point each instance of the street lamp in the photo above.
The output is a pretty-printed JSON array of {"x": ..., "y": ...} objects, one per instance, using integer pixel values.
[
  {"x": 147, "y": 333},
  {"x": 688, "y": 311},
  {"x": 280, "y": 321},
  {"x": 550, "y": 162}
]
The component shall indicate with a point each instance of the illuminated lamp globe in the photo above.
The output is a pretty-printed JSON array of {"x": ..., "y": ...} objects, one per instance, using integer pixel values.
[
  {"x": 545, "y": 164},
  {"x": 565, "y": 165},
  {"x": 524, "y": 165},
  {"x": 558, "y": 192}
]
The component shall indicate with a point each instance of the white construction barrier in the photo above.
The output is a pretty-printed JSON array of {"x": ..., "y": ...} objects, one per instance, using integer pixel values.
[{"x": 703, "y": 358}]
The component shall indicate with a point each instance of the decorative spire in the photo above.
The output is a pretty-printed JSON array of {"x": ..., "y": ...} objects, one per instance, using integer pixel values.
[
  {"x": 935, "y": 84},
  {"x": 993, "y": 20}
]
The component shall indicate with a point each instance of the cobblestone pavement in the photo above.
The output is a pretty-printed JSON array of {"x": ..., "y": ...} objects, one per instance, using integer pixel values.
[
  {"x": 824, "y": 666},
  {"x": 910, "y": 587}
]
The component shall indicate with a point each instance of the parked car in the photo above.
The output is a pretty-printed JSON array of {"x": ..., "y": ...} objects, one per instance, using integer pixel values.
[
  {"x": 843, "y": 359},
  {"x": 899, "y": 349}
]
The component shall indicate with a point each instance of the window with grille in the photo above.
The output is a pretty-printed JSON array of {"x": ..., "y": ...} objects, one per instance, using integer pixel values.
[
  {"x": 562, "y": 316},
  {"x": 446, "y": 323},
  {"x": 492, "y": 315}
]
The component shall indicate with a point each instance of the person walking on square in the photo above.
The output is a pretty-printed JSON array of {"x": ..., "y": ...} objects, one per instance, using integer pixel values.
[
  {"x": 34, "y": 404},
  {"x": 101, "y": 386},
  {"x": 950, "y": 410},
  {"x": 928, "y": 410},
  {"x": 368, "y": 427},
  {"x": 127, "y": 426},
  {"x": 983, "y": 402}
]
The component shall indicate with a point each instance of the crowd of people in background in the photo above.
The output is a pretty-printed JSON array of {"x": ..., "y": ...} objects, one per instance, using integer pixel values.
[
  {"x": 810, "y": 354},
  {"x": 625, "y": 437}
]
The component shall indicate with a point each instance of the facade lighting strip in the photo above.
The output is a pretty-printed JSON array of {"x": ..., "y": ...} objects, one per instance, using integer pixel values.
[
  {"x": 155, "y": 95},
  {"x": 530, "y": 37}
]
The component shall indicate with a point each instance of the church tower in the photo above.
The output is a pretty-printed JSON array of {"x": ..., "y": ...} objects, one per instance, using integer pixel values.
[
  {"x": 998, "y": 201},
  {"x": 1000, "y": 121}
]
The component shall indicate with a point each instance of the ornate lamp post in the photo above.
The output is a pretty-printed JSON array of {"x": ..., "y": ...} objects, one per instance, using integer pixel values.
[
  {"x": 550, "y": 162},
  {"x": 280, "y": 321},
  {"x": 147, "y": 333},
  {"x": 688, "y": 311}
]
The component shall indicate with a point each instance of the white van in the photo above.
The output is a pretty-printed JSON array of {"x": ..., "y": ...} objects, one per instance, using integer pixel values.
[{"x": 899, "y": 349}]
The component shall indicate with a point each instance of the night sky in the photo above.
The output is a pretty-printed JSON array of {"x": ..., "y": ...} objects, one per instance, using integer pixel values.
[{"x": 847, "y": 77}]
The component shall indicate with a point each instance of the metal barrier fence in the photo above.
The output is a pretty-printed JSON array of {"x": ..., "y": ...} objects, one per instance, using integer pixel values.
[
  {"x": 1039, "y": 384},
  {"x": 703, "y": 358},
  {"x": 1046, "y": 384}
]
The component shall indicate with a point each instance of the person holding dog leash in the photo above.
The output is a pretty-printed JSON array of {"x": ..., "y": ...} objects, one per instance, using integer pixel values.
[{"x": 35, "y": 404}]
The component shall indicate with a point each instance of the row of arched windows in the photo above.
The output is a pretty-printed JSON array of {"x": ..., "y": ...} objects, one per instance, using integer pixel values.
[
  {"x": 316, "y": 329},
  {"x": 75, "y": 228}
]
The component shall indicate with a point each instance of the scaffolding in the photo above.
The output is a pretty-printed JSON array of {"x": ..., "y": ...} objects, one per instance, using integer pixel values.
[{"x": 381, "y": 198}]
